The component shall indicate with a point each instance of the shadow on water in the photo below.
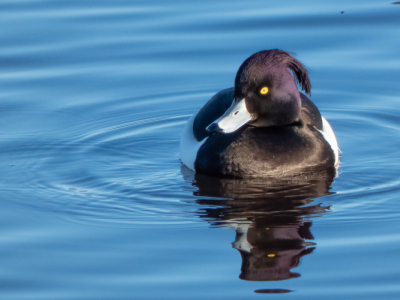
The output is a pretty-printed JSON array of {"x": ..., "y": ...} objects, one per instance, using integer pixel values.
[{"x": 271, "y": 218}]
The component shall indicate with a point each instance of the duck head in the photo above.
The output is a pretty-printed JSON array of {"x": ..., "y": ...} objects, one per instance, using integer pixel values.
[{"x": 266, "y": 92}]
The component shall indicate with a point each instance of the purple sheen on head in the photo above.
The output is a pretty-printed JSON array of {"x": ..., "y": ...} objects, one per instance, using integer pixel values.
[
  {"x": 260, "y": 62},
  {"x": 280, "y": 72}
]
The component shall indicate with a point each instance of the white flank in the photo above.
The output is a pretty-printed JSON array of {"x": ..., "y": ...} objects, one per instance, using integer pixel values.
[
  {"x": 189, "y": 146},
  {"x": 330, "y": 137}
]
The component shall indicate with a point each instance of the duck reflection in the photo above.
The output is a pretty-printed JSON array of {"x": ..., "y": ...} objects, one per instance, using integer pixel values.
[{"x": 271, "y": 218}]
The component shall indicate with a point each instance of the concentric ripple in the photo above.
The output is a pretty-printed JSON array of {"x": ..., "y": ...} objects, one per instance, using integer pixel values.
[{"x": 120, "y": 164}]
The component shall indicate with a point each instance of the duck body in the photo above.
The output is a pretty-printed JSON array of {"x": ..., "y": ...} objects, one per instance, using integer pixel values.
[{"x": 264, "y": 126}]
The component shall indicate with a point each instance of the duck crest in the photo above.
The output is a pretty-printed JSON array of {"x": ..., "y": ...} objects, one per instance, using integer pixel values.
[
  {"x": 264, "y": 60},
  {"x": 264, "y": 126}
]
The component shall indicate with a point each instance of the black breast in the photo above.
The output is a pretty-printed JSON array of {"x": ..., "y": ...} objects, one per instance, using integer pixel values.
[{"x": 268, "y": 151}]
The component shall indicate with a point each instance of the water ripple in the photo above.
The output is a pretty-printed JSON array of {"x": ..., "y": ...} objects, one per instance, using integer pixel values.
[{"x": 129, "y": 172}]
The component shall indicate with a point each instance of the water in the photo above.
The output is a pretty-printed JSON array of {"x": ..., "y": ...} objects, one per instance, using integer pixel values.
[{"x": 94, "y": 201}]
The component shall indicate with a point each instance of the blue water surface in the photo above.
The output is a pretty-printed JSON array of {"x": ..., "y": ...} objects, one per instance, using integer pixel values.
[{"x": 94, "y": 202}]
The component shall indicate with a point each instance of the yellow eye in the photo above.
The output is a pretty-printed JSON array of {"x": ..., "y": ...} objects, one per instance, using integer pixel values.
[{"x": 264, "y": 90}]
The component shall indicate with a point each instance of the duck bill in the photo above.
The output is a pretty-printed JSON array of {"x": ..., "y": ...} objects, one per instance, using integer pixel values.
[{"x": 235, "y": 117}]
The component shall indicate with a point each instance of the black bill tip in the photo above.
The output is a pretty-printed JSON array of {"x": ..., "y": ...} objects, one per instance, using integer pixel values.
[{"x": 213, "y": 128}]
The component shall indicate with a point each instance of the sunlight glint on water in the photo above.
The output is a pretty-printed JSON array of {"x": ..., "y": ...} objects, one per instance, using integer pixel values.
[{"x": 94, "y": 200}]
